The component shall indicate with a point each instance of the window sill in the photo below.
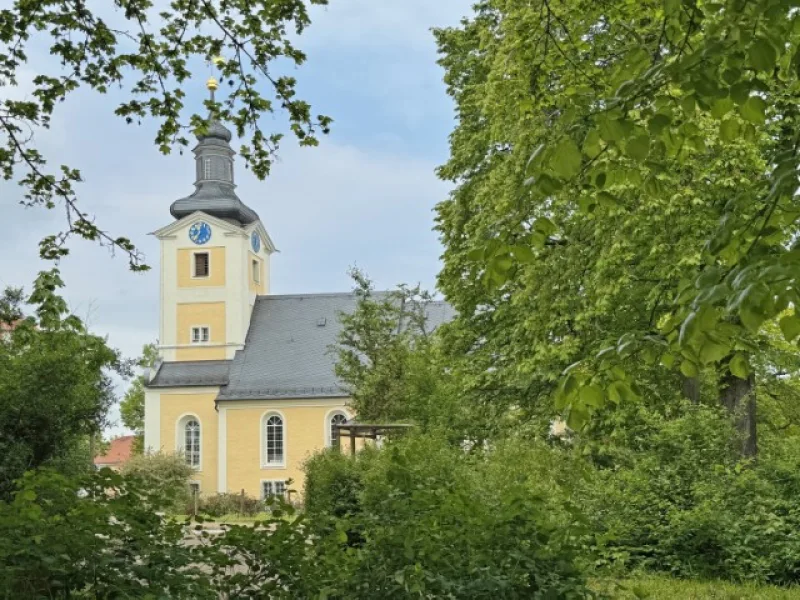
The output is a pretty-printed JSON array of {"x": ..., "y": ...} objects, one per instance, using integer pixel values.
[{"x": 273, "y": 466}]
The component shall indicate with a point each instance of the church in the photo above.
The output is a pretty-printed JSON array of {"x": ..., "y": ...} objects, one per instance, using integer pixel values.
[{"x": 244, "y": 387}]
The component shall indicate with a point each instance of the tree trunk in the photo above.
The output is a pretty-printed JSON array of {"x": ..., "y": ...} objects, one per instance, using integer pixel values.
[
  {"x": 691, "y": 389},
  {"x": 738, "y": 396}
]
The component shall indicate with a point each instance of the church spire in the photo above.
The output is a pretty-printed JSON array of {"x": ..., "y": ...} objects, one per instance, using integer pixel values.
[{"x": 214, "y": 188}]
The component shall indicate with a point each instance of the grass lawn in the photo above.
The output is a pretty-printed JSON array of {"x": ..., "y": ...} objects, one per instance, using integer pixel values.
[{"x": 663, "y": 588}]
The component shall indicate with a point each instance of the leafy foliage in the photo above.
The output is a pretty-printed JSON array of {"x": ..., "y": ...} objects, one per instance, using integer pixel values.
[
  {"x": 54, "y": 388},
  {"x": 97, "y": 537},
  {"x": 131, "y": 407},
  {"x": 622, "y": 203},
  {"x": 147, "y": 52},
  {"x": 432, "y": 520},
  {"x": 166, "y": 475},
  {"x": 681, "y": 502},
  {"x": 218, "y": 505},
  {"x": 390, "y": 358}
]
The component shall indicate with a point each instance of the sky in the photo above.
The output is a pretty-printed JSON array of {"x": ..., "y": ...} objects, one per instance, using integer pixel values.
[{"x": 364, "y": 197}]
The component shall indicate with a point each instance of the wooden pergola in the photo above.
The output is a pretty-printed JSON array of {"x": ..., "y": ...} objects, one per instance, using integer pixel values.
[{"x": 367, "y": 431}]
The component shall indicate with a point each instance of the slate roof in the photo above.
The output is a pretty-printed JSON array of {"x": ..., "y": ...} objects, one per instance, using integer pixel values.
[
  {"x": 191, "y": 373},
  {"x": 214, "y": 188},
  {"x": 287, "y": 351}
]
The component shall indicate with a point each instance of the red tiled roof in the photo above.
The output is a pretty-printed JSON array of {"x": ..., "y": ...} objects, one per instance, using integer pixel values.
[
  {"x": 9, "y": 326},
  {"x": 118, "y": 453}
]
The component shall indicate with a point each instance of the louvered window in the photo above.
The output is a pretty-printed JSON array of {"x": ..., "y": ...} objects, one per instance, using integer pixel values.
[{"x": 201, "y": 264}]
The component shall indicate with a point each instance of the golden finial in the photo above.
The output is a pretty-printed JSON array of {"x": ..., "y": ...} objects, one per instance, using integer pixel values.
[{"x": 212, "y": 84}]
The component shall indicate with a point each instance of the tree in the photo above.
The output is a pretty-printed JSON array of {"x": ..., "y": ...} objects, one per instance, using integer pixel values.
[
  {"x": 55, "y": 390},
  {"x": 390, "y": 357},
  {"x": 132, "y": 406},
  {"x": 583, "y": 242},
  {"x": 148, "y": 52}
]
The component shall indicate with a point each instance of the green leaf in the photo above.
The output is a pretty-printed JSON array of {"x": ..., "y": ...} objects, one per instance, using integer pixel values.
[
  {"x": 668, "y": 360},
  {"x": 577, "y": 418},
  {"x": 751, "y": 317},
  {"x": 712, "y": 352},
  {"x": 545, "y": 226},
  {"x": 721, "y": 107},
  {"x": 762, "y": 55},
  {"x": 738, "y": 366},
  {"x": 591, "y": 395},
  {"x": 620, "y": 391},
  {"x": 639, "y": 147},
  {"x": 523, "y": 254},
  {"x": 591, "y": 145},
  {"x": 689, "y": 329},
  {"x": 689, "y": 369},
  {"x": 790, "y": 327},
  {"x": 611, "y": 130},
  {"x": 754, "y": 110},
  {"x": 566, "y": 161},
  {"x": 657, "y": 123},
  {"x": 729, "y": 129}
]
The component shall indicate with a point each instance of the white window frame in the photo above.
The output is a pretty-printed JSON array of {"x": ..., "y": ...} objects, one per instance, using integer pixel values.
[
  {"x": 201, "y": 341},
  {"x": 180, "y": 437},
  {"x": 263, "y": 426},
  {"x": 207, "y": 163},
  {"x": 273, "y": 482},
  {"x": 328, "y": 418},
  {"x": 192, "y": 272},
  {"x": 255, "y": 266}
]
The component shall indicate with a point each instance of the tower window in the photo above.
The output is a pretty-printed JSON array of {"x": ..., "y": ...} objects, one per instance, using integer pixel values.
[
  {"x": 200, "y": 335},
  {"x": 201, "y": 264},
  {"x": 206, "y": 168},
  {"x": 256, "y": 272}
]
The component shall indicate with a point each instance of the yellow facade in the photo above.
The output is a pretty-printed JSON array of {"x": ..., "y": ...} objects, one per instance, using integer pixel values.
[
  {"x": 306, "y": 431},
  {"x": 304, "y": 434},
  {"x": 174, "y": 408},
  {"x": 216, "y": 271},
  {"x": 259, "y": 286},
  {"x": 201, "y": 314}
]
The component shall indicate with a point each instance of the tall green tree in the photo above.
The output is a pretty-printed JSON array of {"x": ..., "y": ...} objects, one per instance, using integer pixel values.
[
  {"x": 584, "y": 247},
  {"x": 131, "y": 407},
  {"x": 55, "y": 388},
  {"x": 390, "y": 357},
  {"x": 149, "y": 51}
]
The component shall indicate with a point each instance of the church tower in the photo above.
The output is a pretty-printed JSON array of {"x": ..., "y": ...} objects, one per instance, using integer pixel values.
[{"x": 214, "y": 259}]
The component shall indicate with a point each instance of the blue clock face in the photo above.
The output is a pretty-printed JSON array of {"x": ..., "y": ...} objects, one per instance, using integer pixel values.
[
  {"x": 255, "y": 242},
  {"x": 200, "y": 232}
]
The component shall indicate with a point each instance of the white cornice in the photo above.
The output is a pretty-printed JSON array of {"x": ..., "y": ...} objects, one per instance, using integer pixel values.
[{"x": 172, "y": 228}]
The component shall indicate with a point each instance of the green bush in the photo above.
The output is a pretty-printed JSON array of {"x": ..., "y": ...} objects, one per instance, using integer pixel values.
[
  {"x": 167, "y": 475},
  {"x": 686, "y": 505},
  {"x": 333, "y": 483},
  {"x": 217, "y": 505},
  {"x": 433, "y": 521},
  {"x": 99, "y": 536}
]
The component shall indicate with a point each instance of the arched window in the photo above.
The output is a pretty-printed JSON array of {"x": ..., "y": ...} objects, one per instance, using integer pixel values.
[
  {"x": 273, "y": 440},
  {"x": 337, "y": 418},
  {"x": 191, "y": 441}
]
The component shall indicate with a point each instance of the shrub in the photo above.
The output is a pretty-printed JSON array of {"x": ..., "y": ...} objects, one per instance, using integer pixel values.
[
  {"x": 333, "y": 482},
  {"x": 217, "y": 505},
  {"x": 434, "y": 521},
  {"x": 689, "y": 507},
  {"x": 98, "y": 536},
  {"x": 164, "y": 474}
]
